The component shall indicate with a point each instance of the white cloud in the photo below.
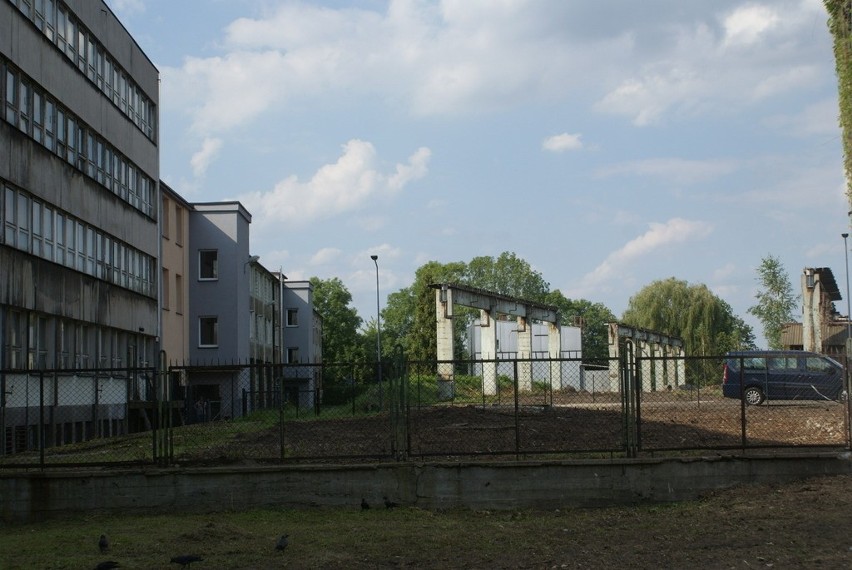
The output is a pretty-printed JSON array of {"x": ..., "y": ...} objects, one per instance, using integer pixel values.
[
  {"x": 819, "y": 118},
  {"x": 325, "y": 255},
  {"x": 562, "y": 142},
  {"x": 724, "y": 272},
  {"x": 201, "y": 160},
  {"x": 678, "y": 170},
  {"x": 751, "y": 53},
  {"x": 746, "y": 25},
  {"x": 618, "y": 263},
  {"x": 334, "y": 189},
  {"x": 451, "y": 57}
]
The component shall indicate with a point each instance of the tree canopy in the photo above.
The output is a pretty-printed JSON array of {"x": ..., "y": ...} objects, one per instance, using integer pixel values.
[
  {"x": 340, "y": 338},
  {"x": 594, "y": 318},
  {"x": 409, "y": 317},
  {"x": 775, "y": 299},
  {"x": 706, "y": 323}
]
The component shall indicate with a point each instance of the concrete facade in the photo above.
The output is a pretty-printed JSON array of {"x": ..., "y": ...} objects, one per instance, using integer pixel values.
[
  {"x": 32, "y": 497},
  {"x": 219, "y": 283},
  {"x": 301, "y": 333},
  {"x": 174, "y": 261},
  {"x": 79, "y": 165}
]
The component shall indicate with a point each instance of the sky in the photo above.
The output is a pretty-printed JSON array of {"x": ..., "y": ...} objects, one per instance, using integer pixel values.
[{"x": 608, "y": 143}]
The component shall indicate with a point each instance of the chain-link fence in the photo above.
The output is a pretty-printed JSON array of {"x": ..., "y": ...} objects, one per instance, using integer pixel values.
[{"x": 517, "y": 408}]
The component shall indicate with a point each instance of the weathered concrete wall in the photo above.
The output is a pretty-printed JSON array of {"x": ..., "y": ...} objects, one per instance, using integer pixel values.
[{"x": 545, "y": 485}]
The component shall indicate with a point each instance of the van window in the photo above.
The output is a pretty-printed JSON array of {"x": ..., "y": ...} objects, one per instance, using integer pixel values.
[
  {"x": 817, "y": 364},
  {"x": 781, "y": 363},
  {"x": 754, "y": 363}
]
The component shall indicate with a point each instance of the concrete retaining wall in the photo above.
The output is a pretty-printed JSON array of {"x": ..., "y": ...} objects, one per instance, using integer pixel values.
[{"x": 546, "y": 485}]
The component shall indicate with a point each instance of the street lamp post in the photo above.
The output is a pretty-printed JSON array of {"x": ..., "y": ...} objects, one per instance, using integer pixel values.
[{"x": 375, "y": 259}]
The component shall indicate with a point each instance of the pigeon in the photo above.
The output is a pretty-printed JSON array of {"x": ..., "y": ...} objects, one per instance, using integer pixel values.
[
  {"x": 103, "y": 543},
  {"x": 364, "y": 505},
  {"x": 185, "y": 560},
  {"x": 390, "y": 504},
  {"x": 282, "y": 542},
  {"x": 107, "y": 565}
]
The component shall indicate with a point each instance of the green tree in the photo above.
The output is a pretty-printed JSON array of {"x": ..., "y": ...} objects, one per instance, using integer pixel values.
[
  {"x": 507, "y": 275},
  {"x": 340, "y": 321},
  {"x": 775, "y": 299},
  {"x": 840, "y": 26},
  {"x": 409, "y": 317},
  {"x": 594, "y": 316},
  {"x": 706, "y": 323}
]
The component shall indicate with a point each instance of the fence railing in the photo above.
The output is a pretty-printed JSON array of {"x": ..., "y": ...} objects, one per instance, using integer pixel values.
[{"x": 519, "y": 408}]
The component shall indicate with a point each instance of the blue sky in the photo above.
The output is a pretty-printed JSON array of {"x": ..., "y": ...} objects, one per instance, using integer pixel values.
[{"x": 609, "y": 143}]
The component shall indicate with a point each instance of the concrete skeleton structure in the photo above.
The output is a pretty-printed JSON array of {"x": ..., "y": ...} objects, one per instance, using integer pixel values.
[
  {"x": 491, "y": 306},
  {"x": 664, "y": 367}
]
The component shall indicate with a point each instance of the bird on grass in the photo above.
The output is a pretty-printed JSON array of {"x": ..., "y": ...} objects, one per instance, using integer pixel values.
[
  {"x": 282, "y": 543},
  {"x": 185, "y": 560},
  {"x": 103, "y": 543},
  {"x": 107, "y": 565},
  {"x": 364, "y": 504},
  {"x": 390, "y": 504}
]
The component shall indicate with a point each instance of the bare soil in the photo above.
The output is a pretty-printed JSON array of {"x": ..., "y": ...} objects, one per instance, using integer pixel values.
[{"x": 569, "y": 425}]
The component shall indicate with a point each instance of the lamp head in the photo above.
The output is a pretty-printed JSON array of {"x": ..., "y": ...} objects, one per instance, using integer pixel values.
[{"x": 374, "y": 257}]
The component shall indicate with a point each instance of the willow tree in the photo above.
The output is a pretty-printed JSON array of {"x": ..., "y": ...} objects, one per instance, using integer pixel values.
[
  {"x": 840, "y": 26},
  {"x": 706, "y": 323}
]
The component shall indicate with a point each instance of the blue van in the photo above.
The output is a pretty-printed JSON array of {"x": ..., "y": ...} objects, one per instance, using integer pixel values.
[{"x": 782, "y": 375}]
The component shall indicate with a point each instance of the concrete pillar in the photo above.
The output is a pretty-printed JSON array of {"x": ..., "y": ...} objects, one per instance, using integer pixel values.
[
  {"x": 643, "y": 350},
  {"x": 810, "y": 308},
  {"x": 554, "y": 350},
  {"x": 488, "y": 334},
  {"x": 614, "y": 372},
  {"x": 524, "y": 351},
  {"x": 444, "y": 323}
]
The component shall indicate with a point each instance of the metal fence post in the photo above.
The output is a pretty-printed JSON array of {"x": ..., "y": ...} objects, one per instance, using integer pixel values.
[{"x": 40, "y": 430}]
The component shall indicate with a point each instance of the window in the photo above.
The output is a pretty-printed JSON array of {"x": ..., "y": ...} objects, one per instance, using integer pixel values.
[
  {"x": 165, "y": 218},
  {"x": 292, "y": 317},
  {"x": 817, "y": 364},
  {"x": 293, "y": 355},
  {"x": 208, "y": 264},
  {"x": 208, "y": 331},
  {"x": 178, "y": 226},
  {"x": 178, "y": 294},
  {"x": 165, "y": 289}
]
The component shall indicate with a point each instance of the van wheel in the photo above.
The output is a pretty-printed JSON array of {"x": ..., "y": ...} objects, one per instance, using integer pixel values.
[{"x": 753, "y": 396}]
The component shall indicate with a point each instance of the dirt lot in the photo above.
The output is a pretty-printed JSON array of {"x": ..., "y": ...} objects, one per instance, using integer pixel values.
[{"x": 573, "y": 424}]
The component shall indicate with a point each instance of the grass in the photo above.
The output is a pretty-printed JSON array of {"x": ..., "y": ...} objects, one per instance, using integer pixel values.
[{"x": 725, "y": 530}]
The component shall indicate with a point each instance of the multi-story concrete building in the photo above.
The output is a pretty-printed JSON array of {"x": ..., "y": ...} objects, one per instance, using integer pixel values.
[
  {"x": 301, "y": 334},
  {"x": 174, "y": 261},
  {"x": 79, "y": 245}
]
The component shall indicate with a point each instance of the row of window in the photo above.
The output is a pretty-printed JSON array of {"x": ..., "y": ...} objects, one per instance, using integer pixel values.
[
  {"x": 208, "y": 337},
  {"x": 58, "y": 24},
  {"x": 35, "y": 340},
  {"x": 42, "y": 230},
  {"x": 37, "y": 114}
]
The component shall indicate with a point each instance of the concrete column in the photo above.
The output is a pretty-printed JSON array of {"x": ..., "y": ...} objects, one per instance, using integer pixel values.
[
  {"x": 643, "y": 351},
  {"x": 614, "y": 373},
  {"x": 524, "y": 351},
  {"x": 554, "y": 350},
  {"x": 444, "y": 323},
  {"x": 488, "y": 334}
]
